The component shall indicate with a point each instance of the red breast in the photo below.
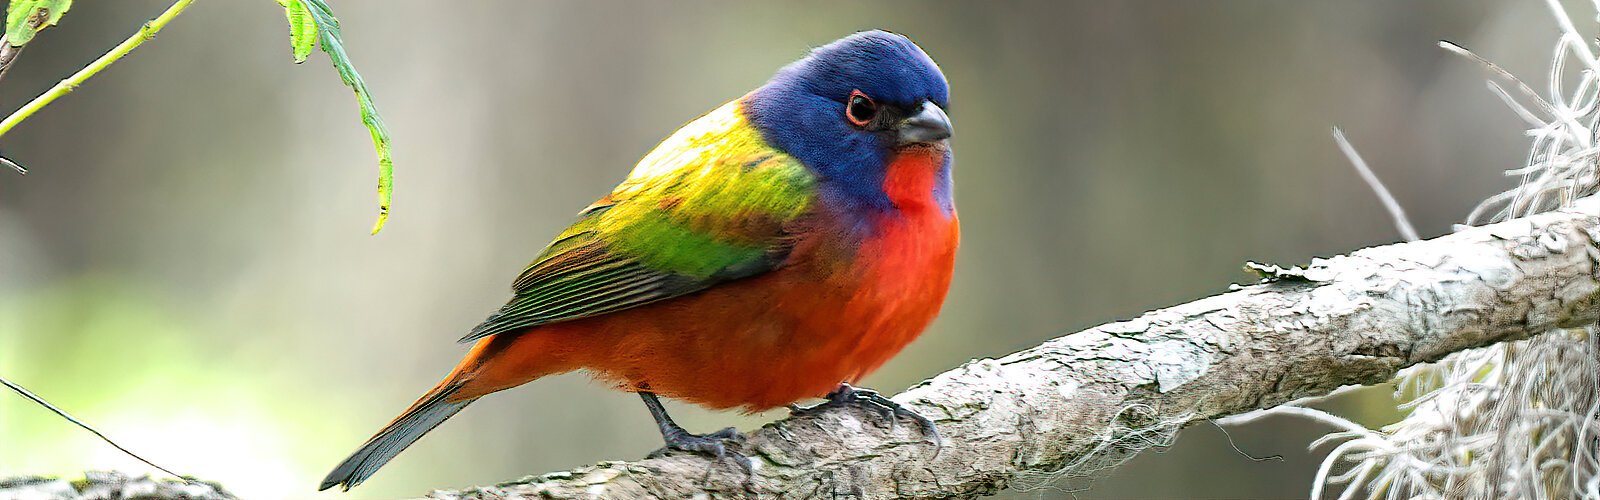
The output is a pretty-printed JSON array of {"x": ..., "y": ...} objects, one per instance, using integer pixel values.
[{"x": 770, "y": 340}]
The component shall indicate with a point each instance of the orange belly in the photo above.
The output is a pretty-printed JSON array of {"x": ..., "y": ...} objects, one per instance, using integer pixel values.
[{"x": 756, "y": 343}]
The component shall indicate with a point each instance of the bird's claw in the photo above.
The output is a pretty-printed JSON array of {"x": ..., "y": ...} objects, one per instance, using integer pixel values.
[
  {"x": 713, "y": 445},
  {"x": 868, "y": 399}
]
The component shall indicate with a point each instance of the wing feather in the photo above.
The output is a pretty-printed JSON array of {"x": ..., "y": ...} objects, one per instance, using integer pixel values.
[{"x": 712, "y": 203}]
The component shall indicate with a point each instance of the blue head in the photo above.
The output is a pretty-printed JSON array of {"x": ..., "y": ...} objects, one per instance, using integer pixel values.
[{"x": 847, "y": 109}]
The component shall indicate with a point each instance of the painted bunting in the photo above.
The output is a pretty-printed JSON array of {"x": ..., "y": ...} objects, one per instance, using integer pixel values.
[{"x": 778, "y": 248}]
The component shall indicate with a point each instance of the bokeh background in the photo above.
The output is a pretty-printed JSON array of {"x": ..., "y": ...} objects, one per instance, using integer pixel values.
[{"x": 188, "y": 265}]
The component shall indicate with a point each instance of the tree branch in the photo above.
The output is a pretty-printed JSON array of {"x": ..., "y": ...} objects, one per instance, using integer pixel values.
[
  {"x": 109, "y": 486},
  {"x": 1094, "y": 397}
]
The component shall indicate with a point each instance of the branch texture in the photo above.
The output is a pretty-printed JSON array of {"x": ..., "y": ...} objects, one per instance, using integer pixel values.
[
  {"x": 1091, "y": 398},
  {"x": 109, "y": 486},
  {"x": 1087, "y": 398}
]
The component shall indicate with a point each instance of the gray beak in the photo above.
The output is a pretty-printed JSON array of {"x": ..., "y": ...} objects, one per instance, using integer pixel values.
[{"x": 930, "y": 124}]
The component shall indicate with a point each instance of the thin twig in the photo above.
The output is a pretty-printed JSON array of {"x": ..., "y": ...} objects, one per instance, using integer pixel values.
[
  {"x": 36, "y": 399},
  {"x": 145, "y": 33},
  {"x": 14, "y": 165},
  {"x": 9, "y": 51},
  {"x": 1400, "y": 221},
  {"x": 8, "y": 55}
]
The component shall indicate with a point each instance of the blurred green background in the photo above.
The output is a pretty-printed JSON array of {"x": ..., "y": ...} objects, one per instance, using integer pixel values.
[{"x": 188, "y": 265}]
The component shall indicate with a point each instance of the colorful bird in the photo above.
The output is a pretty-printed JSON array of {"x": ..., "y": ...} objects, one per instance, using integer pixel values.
[{"x": 780, "y": 247}]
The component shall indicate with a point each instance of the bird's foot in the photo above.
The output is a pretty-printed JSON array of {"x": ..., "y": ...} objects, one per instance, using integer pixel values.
[
  {"x": 712, "y": 445},
  {"x": 868, "y": 399}
]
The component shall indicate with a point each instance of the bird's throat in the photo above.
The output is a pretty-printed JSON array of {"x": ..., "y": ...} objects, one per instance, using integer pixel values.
[{"x": 919, "y": 178}]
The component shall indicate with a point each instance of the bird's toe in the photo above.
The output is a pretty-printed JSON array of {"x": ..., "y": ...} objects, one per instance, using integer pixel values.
[
  {"x": 868, "y": 399},
  {"x": 712, "y": 445}
]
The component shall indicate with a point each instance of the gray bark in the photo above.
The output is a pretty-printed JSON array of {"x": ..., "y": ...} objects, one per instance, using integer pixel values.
[
  {"x": 1088, "y": 399},
  {"x": 108, "y": 486}
]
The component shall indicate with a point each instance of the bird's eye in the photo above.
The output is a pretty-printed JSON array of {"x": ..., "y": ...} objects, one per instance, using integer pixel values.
[{"x": 860, "y": 110}]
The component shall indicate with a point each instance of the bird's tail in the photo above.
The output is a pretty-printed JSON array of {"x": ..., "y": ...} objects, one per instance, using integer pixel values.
[{"x": 428, "y": 412}]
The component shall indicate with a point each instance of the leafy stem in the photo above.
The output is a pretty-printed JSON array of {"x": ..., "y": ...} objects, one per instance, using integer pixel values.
[
  {"x": 311, "y": 22},
  {"x": 145, "y": 33}
]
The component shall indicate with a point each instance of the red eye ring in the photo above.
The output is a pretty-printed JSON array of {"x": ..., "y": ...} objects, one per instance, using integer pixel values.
[{"x": 860, "y": 109}]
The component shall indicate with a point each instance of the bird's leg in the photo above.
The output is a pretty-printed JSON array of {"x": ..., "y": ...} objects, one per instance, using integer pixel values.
[
  {"x": 679, "y": 439},
  {"x": 848, "y": 395}
]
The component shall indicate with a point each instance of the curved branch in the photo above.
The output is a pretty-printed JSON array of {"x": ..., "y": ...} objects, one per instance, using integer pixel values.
[
  {"x": 1092, "y": 397},
  {"x": 1080, "y": 399}
]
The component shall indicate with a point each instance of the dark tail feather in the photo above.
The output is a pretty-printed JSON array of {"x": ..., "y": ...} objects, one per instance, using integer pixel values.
[{"x": 422, "y": 417}]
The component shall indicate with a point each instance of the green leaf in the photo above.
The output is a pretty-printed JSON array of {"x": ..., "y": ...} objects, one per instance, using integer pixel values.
[
  {"x": 24, "y": 18},
  {"x": 328, "y": 37},
  {"x": 302, "y": 29}
]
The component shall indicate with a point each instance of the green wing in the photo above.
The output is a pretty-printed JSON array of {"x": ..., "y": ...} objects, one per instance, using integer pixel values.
[{"x": 712, "y": 203}]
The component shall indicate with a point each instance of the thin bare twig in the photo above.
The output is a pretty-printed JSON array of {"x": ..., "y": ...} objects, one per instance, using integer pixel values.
[
  {"x": 8, "y": 55},
  {"x": 46, "y": 404}
]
